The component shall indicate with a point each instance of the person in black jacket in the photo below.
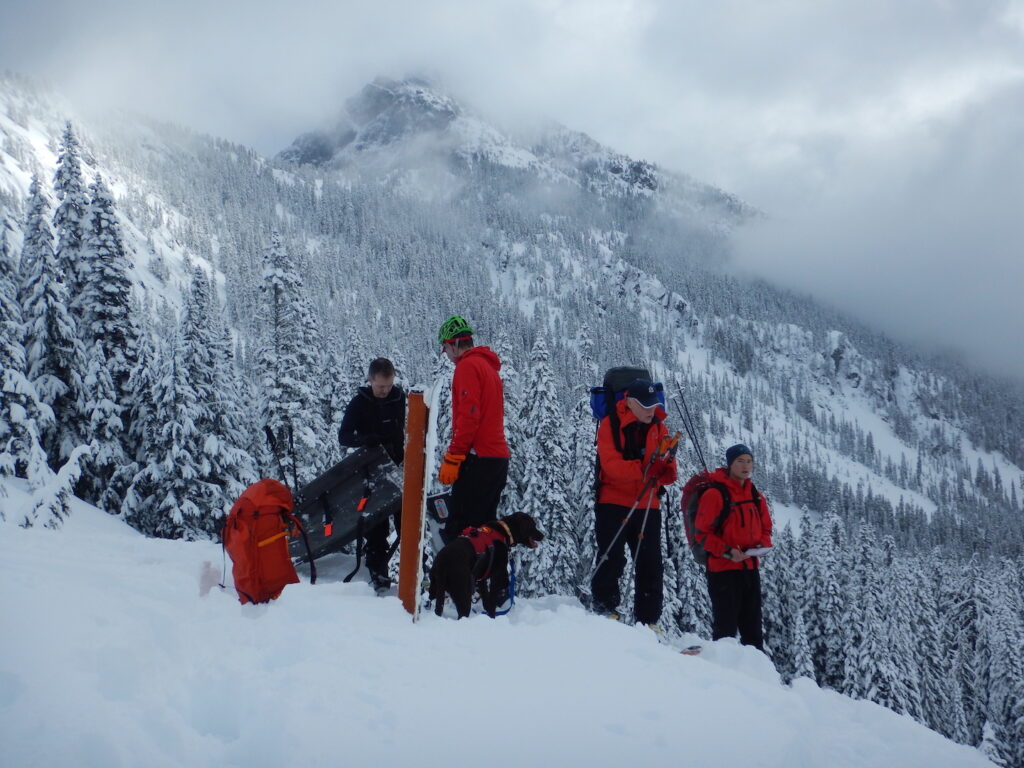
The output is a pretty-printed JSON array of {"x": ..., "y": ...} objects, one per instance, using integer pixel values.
[{"x": 376, "y": 416}]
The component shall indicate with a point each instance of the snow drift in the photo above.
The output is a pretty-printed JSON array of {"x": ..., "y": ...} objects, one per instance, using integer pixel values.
[{"x": 111, "y": 656}]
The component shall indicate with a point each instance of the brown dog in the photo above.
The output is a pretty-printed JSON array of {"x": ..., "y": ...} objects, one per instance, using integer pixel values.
[{"x": 479, "y": 559}]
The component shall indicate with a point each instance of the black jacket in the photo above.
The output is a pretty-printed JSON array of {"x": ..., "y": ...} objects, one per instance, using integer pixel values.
[{"x": 375, "y": 421}]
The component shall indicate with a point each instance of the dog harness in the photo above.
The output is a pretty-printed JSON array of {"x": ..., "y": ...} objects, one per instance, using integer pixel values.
[{"x": 483, "y": 540}]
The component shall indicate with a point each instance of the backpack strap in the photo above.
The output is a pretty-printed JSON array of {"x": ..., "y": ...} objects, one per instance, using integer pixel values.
[
  {"x": 727, "y": 505},
  {"x": 359, "y": 550},
  {"x": 755, "y": 495},
  {"x": 484, "y": 559},
  {"x": 360, "y": 525},
  {"x": 305, "y": 540},
  {"x": 613, "y": 415}
]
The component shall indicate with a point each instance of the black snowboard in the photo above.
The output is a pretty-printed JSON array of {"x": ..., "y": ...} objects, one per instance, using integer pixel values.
[{"x": 329, "y": 506}]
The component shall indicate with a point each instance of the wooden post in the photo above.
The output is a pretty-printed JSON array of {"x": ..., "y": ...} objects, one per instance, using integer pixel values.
[{"x": 410, "y": 558}]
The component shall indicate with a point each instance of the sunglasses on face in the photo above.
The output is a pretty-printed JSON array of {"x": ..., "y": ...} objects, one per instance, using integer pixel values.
[{"x": 645, "y": 407}]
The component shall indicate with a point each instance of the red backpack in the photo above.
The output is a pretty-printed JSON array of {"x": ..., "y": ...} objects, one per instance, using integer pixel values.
[{"x": 255, "y": 535}]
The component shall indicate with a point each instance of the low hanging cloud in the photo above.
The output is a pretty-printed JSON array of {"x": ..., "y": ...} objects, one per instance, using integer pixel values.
[
  {"x": 919, "y": 234},
  {"x": 883, "y": 140}
]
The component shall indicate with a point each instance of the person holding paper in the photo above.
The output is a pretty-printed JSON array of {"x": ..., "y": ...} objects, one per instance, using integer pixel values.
[{"x": 730, "y": 529}]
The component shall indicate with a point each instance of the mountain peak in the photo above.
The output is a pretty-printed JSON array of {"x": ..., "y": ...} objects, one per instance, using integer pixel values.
[
  {"x": 383, "y": 113},
  {"x": 400, "y": 125},
  {"x": 412, "y": 102}
]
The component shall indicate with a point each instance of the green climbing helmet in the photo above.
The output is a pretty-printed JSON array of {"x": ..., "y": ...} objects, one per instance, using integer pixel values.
[{"x": 455, "y": 327}]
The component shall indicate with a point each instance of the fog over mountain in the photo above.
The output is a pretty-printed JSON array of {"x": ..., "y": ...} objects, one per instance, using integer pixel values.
[{"x": 872, "y": 135}]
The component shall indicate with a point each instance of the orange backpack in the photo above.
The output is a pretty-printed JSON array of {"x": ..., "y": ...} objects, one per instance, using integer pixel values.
[{"x": 255, "y": 535}]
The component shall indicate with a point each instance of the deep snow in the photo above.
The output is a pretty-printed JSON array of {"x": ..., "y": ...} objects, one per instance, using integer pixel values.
[{"x": 111, "y": 656}]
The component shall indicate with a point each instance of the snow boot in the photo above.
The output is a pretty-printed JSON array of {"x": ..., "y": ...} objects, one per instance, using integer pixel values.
[{"x": 380, "y": 582}]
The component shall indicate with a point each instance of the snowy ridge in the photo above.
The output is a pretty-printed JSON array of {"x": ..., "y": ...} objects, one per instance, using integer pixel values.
[
  {"x": 393, "y": 125},
  {"x": 142, "y": 669}
]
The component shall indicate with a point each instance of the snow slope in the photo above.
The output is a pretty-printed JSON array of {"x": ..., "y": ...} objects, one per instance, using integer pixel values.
[{"x": 110, "y": 656}]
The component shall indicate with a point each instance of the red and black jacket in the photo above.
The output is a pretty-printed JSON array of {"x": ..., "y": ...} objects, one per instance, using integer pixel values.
[
  {"x": 748, "y": 524},
  {"x": 621, "y": 476}
]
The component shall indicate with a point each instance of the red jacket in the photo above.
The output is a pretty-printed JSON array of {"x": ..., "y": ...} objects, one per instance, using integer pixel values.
[
  {"x": 622, "y": 479},
  {"x": 478, "y": 405},
  {"x": 748, "y": 525}
]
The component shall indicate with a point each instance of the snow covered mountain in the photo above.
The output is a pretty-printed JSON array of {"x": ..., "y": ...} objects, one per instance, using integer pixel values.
[
  {"x": 904, "y": 472},
  {"x": 398, "y": 125},
  {"x": 122, "y": 658}
]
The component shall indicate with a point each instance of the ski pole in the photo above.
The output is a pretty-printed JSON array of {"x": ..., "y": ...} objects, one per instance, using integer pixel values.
[
  {"x": 688, "y": 424},
  {"x": 647, "y": 490},
  {"x": 667, "y": 446},
  {"x": 272, "y": 442},
  {"x": 691, "y": 430},
  {"x": 668, "y": 540},
  {"x": 295, "y": 459},
  {"x": 640, "y": 536}
]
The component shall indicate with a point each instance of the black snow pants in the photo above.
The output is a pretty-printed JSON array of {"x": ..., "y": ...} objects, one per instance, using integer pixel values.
[
  {"x": 646, "y": 551},
  {"x": 476, "y": 493},
  {"x": 475, "y": 497},
  {"x": 376, "y": 547},
  {"x": 736, "y": 605}
]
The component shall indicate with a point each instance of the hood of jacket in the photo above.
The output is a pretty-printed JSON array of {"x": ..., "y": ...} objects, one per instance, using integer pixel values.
[
  {"x": 484, "y": 353},
  {"x": 737, "y": 491}
]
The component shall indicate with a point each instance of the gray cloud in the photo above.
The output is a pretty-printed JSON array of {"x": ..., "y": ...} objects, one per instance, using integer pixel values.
[
  {"x": 884, "y": 139},
  {"x": 919, "y": 234}
]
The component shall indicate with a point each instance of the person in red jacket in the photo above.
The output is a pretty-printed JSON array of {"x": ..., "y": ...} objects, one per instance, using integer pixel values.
[
  {"x": 476, "y": 462},
  {"x": 734, "y": 581},
  {"x": 624, "y": 472}
]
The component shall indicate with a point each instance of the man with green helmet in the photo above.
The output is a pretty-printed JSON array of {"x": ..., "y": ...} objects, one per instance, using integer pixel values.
[{"x": 476, "y": 462}]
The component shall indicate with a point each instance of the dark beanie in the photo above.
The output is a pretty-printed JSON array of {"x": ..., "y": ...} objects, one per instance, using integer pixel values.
[{"x": 735, "y": 452}]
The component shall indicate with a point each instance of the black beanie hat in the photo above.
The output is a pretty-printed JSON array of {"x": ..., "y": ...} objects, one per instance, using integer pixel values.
[{"x": 735, "y": 452}]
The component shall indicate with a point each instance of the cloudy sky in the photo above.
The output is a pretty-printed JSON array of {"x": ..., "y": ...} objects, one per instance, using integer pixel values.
[{"x": 884, "y": 139}]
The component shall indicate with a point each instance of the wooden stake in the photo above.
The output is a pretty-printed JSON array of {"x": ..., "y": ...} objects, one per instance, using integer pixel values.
[{"x": 410, "y": 558}]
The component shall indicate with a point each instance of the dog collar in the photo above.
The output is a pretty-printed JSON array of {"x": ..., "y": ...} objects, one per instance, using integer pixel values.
[{"x": 511, "y": 538}]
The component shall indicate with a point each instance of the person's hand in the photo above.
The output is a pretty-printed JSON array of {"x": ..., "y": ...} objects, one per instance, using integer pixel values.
[
  {"x": 449, "y": 471},
  {"x": 660, "y": 468},
  {"x": 736, "y": 555}
]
